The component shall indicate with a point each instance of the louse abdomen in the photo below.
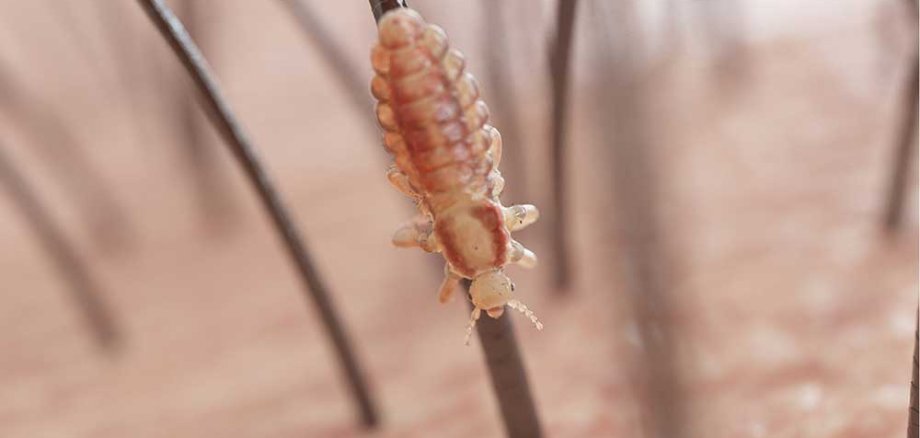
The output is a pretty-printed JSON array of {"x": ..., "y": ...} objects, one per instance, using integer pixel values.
[{"x": 430, "y": 108}]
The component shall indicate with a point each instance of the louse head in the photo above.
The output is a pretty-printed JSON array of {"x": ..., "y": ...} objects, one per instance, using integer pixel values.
[{"x": 492, "y": 291}]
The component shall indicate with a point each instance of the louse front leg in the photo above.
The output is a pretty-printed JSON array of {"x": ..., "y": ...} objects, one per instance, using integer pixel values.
[
  {"x": 417, "y": 232},
  {"x": 518, "y": 217},
  {"x": 449, "y": 285},
  {"x": 522, "y": 256},
  {"x": 474, "y": 316}
]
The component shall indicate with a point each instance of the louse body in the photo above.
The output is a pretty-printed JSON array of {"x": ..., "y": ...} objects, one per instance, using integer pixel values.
[{"x": 446, "y": 159}]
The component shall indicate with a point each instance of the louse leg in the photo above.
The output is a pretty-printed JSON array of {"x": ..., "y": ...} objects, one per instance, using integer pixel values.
[
  {"x": 522, "y": 256},
  {"x": 448, "y": 286},
  {"x": 498, "y": 183},
  {"x": 495, "y": 152},
  {"x": 417, "y": 232},
  {"x": 495, "y": 146},
  {"x": 477, "y": 312},
  {"x": 401, "y": 182},
  {"x": 518, "y": 217}
]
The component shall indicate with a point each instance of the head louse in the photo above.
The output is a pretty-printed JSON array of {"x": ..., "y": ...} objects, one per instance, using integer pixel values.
[{"x": 446, "y": 159}]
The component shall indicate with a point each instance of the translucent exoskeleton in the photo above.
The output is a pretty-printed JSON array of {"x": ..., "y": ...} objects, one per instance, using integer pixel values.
[{"x": 446, "y": 159}]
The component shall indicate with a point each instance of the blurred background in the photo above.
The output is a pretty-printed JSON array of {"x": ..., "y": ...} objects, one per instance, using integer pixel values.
[{"x": 728, "y": 168}]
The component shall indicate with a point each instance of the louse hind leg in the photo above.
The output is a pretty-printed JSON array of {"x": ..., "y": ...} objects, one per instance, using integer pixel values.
[
  {"x": 399, "y": 180},
  {"x": 498, "y": 184},
  {"x": 417, "y": 232},
  {"x": 448, "y": 286},
  {"x": 495, "y": 145},
  {"x": 518, "y": 217},
  {"x": 522, "y": 256},
  {"x": 495, "y": 152}
]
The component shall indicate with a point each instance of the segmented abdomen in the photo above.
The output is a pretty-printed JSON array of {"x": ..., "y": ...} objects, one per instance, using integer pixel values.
[{"x": 429, "y": 107}]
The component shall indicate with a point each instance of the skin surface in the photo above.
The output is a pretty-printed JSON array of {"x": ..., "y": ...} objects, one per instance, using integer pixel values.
[{"x": 446, "y": 158}]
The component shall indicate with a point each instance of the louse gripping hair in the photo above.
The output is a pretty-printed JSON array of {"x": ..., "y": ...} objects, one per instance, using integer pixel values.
[{"x": 446, "y": 159}]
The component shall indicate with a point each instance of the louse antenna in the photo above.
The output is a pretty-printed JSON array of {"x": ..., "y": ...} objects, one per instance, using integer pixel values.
[
  {"x": 477, "y": 312},
  {"x": 520, "y": 307}
]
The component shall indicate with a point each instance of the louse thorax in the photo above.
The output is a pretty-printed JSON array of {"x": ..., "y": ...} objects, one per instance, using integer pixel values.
[{"x": 472, "y": 235}]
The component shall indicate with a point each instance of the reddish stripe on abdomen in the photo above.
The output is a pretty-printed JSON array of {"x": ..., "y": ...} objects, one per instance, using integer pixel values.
[{"x": 491, "y": 217}]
